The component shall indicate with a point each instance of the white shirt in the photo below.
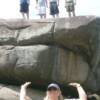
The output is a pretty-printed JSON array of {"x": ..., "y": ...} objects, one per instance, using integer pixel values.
[{"x": 53, "y": 0}]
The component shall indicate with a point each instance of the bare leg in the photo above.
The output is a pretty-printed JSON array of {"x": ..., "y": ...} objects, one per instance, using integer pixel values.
[
  {"x": 74, "y": 13},
  {"x": 23, "y": 95},
  {"x": 28, "y": 15},
  {"x": 53, "y": 16},
  {"x": 45, "y": 16},
  {"x": 69, "y": 14},
  {"x": 41, "y": 16},
  {"x": 57, "y": 15},
  {"x": 23, "y": 15}
]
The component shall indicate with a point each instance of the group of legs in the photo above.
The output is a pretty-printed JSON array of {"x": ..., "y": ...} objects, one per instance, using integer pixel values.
[
  {"x": 54, "y": 92},
  {"x": 53, "y": 5},
  {"x": 43, "y": 4}
]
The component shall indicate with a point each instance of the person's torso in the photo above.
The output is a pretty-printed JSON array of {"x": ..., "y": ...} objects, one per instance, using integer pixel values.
[
  {"x": 42, "y": 2},
  {"x": 24, "y": 1},
  {"x": 53, "y": 0},
  {"x": 70, "y": 1}
]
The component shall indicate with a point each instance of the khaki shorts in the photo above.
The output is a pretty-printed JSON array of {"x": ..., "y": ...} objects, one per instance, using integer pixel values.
[{"x": 70, "y": 6}]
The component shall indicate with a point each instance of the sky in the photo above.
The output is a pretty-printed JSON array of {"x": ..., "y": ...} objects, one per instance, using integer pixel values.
[{"x": 9, "y": 9}]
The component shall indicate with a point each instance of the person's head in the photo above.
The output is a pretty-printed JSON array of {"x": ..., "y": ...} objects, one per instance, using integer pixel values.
[{"x": 53, "y": 92}]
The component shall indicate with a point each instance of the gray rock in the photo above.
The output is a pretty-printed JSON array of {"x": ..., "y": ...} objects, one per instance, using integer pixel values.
[
  {"x": 37, "y": 33},
  {"x": 44, "y": 63},
  {"x": 7, "y": 36},
  {"x": 62, "y": 50}
]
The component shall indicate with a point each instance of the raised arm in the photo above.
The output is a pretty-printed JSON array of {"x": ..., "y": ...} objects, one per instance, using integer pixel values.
[
  {"x": 23, "y": 92},
  {"x": 81, "y": 92}
]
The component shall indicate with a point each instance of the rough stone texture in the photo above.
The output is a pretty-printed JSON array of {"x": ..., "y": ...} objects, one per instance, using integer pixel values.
[
  {"x": 68, "y": 66},
  {"x": 62, "y": 50},
  {"x": 37, "y": 33},
  {"x": 44, "y": 63}
]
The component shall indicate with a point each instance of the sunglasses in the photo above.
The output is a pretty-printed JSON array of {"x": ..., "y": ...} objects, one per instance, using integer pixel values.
[{"x": 52, "y": 88}]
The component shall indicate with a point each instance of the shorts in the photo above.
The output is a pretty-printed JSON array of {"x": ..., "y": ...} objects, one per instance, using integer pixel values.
[
  {"x": 54, "y": 8},
  {"x": 24, "y": 7},
  {"x": 70, "y": 7},
  {"x": 42, "y": 10}
]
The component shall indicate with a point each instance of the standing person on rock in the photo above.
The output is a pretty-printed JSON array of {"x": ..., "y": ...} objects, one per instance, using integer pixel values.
[
  {"x": 24, "y": 8},
  {"x": 53, "y": 92},
  {"x": 70, "y": 7},
  {"x": 54, "y": 10},
  {"x": 41, "y": 5}
]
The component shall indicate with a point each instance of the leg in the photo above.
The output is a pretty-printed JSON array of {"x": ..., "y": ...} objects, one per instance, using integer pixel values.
[
  {"x": 56, "y": 10},
  {"x": 53, "y": 16},
  {"x": 23, "y": 15},
  {"x": 73, "y": 10},
  {"x": 41, "y": 16},
  {"x": 68, "y": 8},
  {"x": 26, "y": 9},
  {"x": 57, "y": 15},
  {"x": 27, "y": 15},
  {"x": 45, "y": 16},
  {"x": 69, "y": 14},
  {"x": 74, "y": 13}
]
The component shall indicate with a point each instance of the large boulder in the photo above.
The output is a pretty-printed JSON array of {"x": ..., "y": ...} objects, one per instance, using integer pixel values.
[
  {"x": 43, "y": 63},
  {"x": 62, "y": 50}
]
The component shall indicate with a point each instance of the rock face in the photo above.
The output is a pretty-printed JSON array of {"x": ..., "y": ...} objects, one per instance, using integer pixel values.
[{"x": 43, "y": 51}]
